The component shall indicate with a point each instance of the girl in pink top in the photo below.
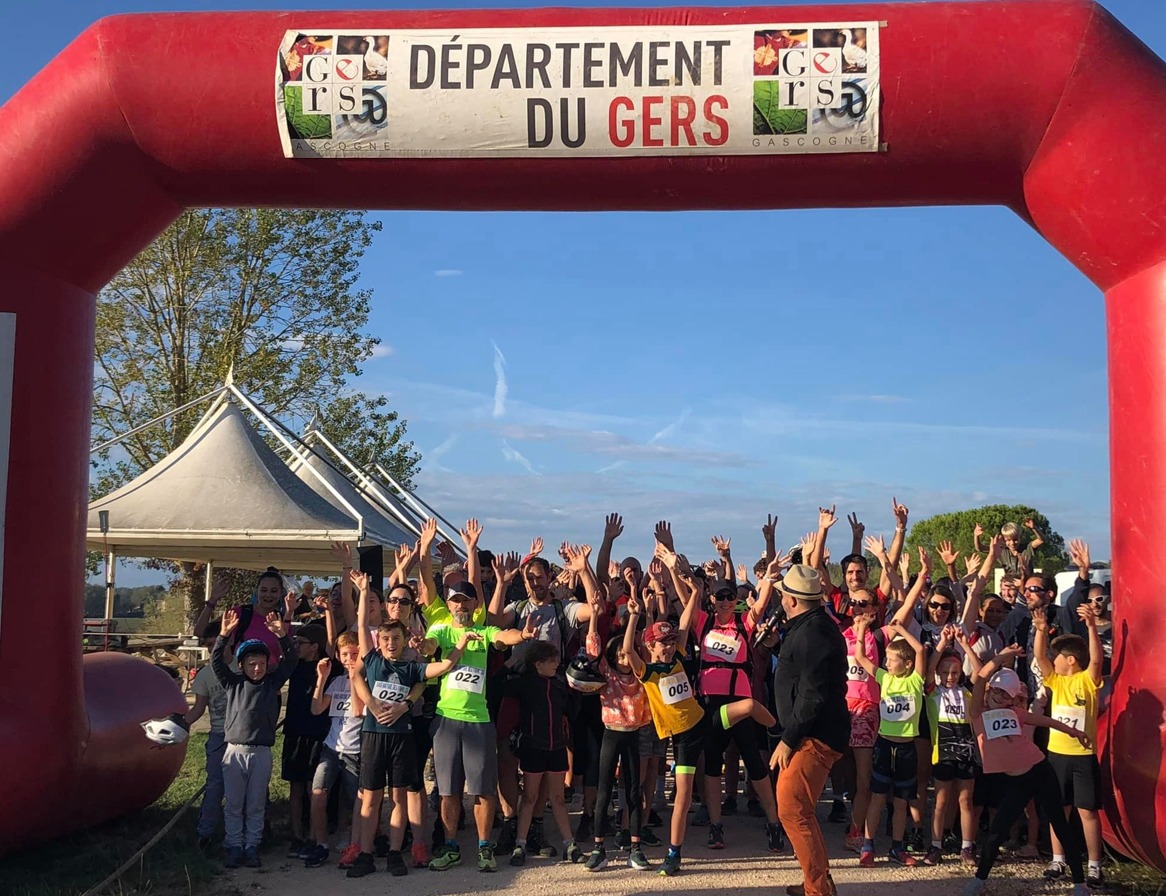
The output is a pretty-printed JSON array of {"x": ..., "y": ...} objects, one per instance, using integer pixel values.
[{"x": 1003, "y": 729}]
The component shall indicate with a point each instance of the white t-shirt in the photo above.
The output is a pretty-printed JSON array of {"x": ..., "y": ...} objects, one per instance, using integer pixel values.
[
  {"x": 207, "y": 685},
  {"x": 344, "y": 735}
]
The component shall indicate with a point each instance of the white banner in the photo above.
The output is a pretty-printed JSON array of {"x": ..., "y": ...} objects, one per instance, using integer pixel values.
[{"x": 585, "y": 92}]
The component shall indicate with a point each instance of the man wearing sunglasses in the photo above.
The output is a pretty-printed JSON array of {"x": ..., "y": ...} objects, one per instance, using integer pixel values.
[{"x": 1037, "y": 595}]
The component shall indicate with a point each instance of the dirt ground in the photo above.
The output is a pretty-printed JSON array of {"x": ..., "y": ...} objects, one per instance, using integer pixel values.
[{"x": 743, "y": 868}]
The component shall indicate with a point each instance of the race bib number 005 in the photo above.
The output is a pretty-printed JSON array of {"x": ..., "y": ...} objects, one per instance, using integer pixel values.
[
  {"x": 855, "y": 672},
  {"x": 674, "y": 688},
  {"x": 1000, "y": 723},
  {"x": 467, "y": 678}
]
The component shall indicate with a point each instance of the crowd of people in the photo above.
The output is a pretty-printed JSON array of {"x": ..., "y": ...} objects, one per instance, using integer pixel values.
[{"x": 517, "y": 683}]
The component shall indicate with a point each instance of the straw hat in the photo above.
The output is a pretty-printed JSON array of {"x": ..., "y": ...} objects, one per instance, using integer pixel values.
[{"x": 802, "y": 582}]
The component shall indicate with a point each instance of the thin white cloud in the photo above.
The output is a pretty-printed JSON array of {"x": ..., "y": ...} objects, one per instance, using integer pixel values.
[
  {"x": 381, "y": 350},
  {"x": 610, "y": 444},
  {"x": 876, "y": 399},
  {"x": 672, "y": 428},
  {"x": 448, "y": 272},
  {"x": 501, "y": 387},
  {"x": 611, "y": 468},
  {"x": 516, "y": 457}
]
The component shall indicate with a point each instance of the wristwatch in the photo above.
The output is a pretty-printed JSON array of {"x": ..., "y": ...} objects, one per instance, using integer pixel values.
[{"x": 409, "y": 703}]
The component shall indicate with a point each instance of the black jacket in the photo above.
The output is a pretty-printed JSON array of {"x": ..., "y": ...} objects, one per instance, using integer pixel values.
[{"x": 810, "y": 682}]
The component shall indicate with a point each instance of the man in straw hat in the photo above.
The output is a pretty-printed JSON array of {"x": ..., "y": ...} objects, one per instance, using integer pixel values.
[{"x": 810, "y": 690}]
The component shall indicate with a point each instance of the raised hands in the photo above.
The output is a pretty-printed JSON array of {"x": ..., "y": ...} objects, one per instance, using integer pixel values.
[
  {"x": 973, "y": 563},
  {"x": 612, "y": 527},
  {"x": 576, "y": 557},
  {"x": 428, "y": 534},
  {"x": 1030, "y": 524},
  {"x": 856, "y": 528},
  {"x": 359, "y": 579},
  {"x": 827, "y": 518},
  {"x": 635, "y": 608},
  {"x": 721, "y": 545},
  {"x": 506, "y": 567},
  {"x": 447, "y": 553},
  {"x": 666, "y": 555},
  {"x": 276, "y": 625},
  {"x": 924, "y": 562},
  {"x": 656, "y": 570},
  {"x": 342, "y": 551},
  {"x": 809, "y": 540},
  {"x": 404, "y": 557},
  {"x": 289, "y": 604},
  {"x": 664, "y": 534},
  {"x": 230, "y": 622},
  {"x": 323, "y": 670},
  {"x": 769, "y": 528},
  {"x": 536, "y": 546},
  {"x": 1079, "y": 554},
  {"x": 471, "y": 533},
  {"x": 876, "y": 546},
  {"x": 978, "y": 531},
  {"x": 946, "y": 554},
  {"x": 900, "y": 511},
  {"x": 742, "y": 573},
  {"x": 1087, "y": 614}
]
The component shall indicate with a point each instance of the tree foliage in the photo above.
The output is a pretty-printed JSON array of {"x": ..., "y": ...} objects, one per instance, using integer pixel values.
[
  {"x": 958, "y": 528},
  {"x": 272, "y": 293}
]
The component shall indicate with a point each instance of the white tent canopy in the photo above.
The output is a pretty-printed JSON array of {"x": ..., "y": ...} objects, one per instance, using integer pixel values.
[{"x": 226, "y": 497}]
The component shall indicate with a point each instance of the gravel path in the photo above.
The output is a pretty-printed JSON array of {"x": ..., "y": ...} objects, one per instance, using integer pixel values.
[{"x": 744, "y": 868}]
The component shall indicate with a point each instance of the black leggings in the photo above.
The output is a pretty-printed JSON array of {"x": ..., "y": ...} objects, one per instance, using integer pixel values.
[
  {"x": 625, "y": 747},
  {"x": 717, "y": 738},
  {"x": 1038, "y": 783},
  {"x": 587, "y": 732}
]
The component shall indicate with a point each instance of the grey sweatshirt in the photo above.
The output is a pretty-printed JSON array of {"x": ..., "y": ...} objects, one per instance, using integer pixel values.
[{"x": 252, "y": 706}]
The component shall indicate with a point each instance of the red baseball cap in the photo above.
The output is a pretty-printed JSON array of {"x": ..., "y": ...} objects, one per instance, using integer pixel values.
[{"x": 660, "y": 631}]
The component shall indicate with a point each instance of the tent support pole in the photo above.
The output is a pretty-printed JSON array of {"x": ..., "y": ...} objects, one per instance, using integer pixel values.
[
  {"x": 110, "y": 574},
  {"x": 210, "y": 573}
]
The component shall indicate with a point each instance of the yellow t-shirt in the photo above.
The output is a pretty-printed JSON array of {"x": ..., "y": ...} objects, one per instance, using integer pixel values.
[
  {"x": 1072, "y": 700},
  {"x": 671, "y": 697}
]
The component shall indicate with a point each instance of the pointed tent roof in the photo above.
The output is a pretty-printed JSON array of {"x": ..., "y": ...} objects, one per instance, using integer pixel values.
[{"x": 225, "y": 495}]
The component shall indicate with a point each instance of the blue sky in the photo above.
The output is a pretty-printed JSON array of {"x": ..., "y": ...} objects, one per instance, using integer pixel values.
[{"x": 713, "y": 367}]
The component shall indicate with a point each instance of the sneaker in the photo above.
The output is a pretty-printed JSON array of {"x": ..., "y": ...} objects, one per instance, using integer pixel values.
[
  {"x": 518, "y": 856},
  {"x": 754, "y": 809},
  {"x": 1095, "y": 880},
  {"x": 547, "y": 852},
  {"x": 654, "y": 818},
  {"x": 420, "y": 855},
  {"x": 701, "y": 819},
  {"x": 234, "y": 857},
  {"x": 775, "y": 837},
  {"x": 916, "y": 842},
  {"x": 362, "y": 866},
  {"x": 853, "y": 841},
  {"x": 297, "y": 849},
  {"x": 507, "y": 835},
  {"x": 902, "y": 857},
  {"x": 670, "y": 867},
  {"x": 975, "y": 886},
  {"x": 395, "y": 865},
  {"x": 380, "y": 846},
  {"x": 729, "y": 806},
  {"x": 933, "y": 856},
  {"x": 637, "y": 861},
  {"x": 837, "y": 812},
  {"x": 445, "y": 859},
  {"x": 648, "y": 837},
  {"x": 573, "y": 853},
  {"x": 597, "y": 860},
  {"x": 317, "y": 857},
  {"x": 486, "y": 860},
  {"x": 716, "y": 836},
  {"x": 951, "y": 842},
  {"x": 1056, "y": 870},
  {"x": 251, "y": 858},
  {"x": 586, "y": 829},
  {"x": 866, "y": 858},
  {"x": 348, "y": 857},
  {"x": 623, "y": 840},
  {"x": 968, "y": 857}
]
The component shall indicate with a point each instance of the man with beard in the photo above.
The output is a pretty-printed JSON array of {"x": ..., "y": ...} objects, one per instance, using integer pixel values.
[
  {"x": 854, "y": 565},
  {"x": 465, "y": 754}
]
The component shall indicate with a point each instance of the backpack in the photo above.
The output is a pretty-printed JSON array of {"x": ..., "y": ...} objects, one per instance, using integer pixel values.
[{"x": 745, "y": 666}]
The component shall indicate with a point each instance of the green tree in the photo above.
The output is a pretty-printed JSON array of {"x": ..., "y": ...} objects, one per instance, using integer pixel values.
[
  {"x": 270, "y": 292},
  {"x": 958, "y": 528}
]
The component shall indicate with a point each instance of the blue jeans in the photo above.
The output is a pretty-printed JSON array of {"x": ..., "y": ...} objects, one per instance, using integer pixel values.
[{"x": 212, "y": 799}]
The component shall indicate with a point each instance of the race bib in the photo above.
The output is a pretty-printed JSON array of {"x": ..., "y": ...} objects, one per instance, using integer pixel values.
[
  {"x": 898, "y": 708},
  {"x": 674, "y": 688},
  {"x": 390, "y": 692},
  {"x": 1073, "y": 716},
  {"x": 855, "y": 672},
  {"x": 722, "y": 647},
  {"x": 467, "y": 678},
  {"x": 1000, "y": 723},
  {"x": 340, "y": 706}
]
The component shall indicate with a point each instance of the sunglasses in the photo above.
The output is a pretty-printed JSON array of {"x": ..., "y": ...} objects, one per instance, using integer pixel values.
[
  {"x": 861, "y": 604},
  {"x": 403, "y": 601},
  {"x": 936, "y": 606},
  {"x": 300, "y": 642},
  {"x": 1035, "y": 589},
  {"x": 725, "y": 597}
]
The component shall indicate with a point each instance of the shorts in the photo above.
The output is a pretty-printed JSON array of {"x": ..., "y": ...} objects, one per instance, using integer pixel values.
[
  {"x": 894, "y": 769},
  {"x": 1080, "y": 780},
  {"x": 300, "y": 755},
  {"x": 534, "y": 761},
  {"x": 387, "y": 760},
  {"x": 333, "y": 765},
  {"x": 687, "y": 745},
  {"x": 954, "y": 771},
  {"x": 864, "y": 722},
  {"x": 422, "y": 744},
  {"x": 465, "y": 757},
  {"x": 989, "y": 790},
  {"x": 651, "y": 744}
]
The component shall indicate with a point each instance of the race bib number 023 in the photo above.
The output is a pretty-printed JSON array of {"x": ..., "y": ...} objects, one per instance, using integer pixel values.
[
  {"x": 722, "y": 647},
  {"x": 1000, "y": 723}
]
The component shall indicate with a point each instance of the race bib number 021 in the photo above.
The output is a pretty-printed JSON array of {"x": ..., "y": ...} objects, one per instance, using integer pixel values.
[
  {"x": 467, "y": 678},
  {"x": 674, "y": 688},
  {"x": 1000, "y": 723},
  {"x": 1073, "y": 716}
]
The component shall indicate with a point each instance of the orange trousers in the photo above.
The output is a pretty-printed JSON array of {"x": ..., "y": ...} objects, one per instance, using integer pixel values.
[{"x": 798, "y": 787}]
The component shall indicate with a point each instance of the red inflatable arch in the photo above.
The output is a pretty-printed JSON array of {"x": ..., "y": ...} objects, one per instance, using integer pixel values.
[{"x": 1049, "y": 107}]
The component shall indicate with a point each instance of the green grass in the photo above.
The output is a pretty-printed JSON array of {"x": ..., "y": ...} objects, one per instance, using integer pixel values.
[
  {"x": 1128, "y": 877},
  {"x": 174, "y": 865}
]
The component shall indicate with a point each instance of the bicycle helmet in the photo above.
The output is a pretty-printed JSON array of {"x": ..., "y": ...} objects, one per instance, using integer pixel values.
[
  {"x": 584, "y": 676},
  {"x": 252, "y": 645},
  {"x": 168, "y": 731}
]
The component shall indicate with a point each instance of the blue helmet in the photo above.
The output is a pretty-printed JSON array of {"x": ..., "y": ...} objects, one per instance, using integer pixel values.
[{"x": 252, "y": 645}]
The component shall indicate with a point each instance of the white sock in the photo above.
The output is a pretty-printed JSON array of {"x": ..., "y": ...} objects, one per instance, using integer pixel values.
[
  {"x": 968, "y": 844},
  {"x": 1061, "y": 859},
  {"x": 1094, "y": 866},
  {"x": 938, "y": 844}
]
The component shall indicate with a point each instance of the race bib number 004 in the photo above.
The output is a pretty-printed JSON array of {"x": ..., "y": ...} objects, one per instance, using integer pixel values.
[
  {"x": 1000, "y": 723},
  {"x": 390, "y": 692},
  {"x": 674, "y": 688},
  {"x": 898, "y": 708},
  {"x": 467, "y": 678}
]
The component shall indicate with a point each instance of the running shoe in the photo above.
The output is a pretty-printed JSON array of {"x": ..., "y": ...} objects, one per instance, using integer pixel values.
[
  {"x": 623, "y": 840},
  {"x": 933, "y": 856},
  {"x": 968, "y": 857},
  {"x": 251, "y": 858},
  {"x": 1095, "y": 880},
  {"x": 754, "y": 809},
  {"x": 317, "y": 857},
  {"x": 866, "y": 858},
  {"x": 394, "y": 864},
  {"x": 445, "y": 859},
  {"x": 1056, "y": 870},
  {"x": 486, "y": 860},
  {"x": 295, "y": 848},
  {"x": 902, "y": 857},
  {"x": 670, "y": 867},
  {"x": 716, "y": 836},
  {"x": 348, "y": 857},
  {"x": 916, "y": 842},
  {"x": 507, "y": 835},
  {"x": 853, "y": 841},
  {"x": 775, "y": 837},
  {"x": 518, "y": 856},
  {"x": 951, "y": 842},
  {"x": 380, "y": 846},
  {"x": 637, "y": 861},
  {"x": 597, "y": 860},
  {"x": 573, "y": 853},
  {"x": 362, "y": 866}
]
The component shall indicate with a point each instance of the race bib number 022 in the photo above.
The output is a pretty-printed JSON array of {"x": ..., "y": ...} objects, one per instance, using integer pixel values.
[{"x": 467, "y": 678}]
